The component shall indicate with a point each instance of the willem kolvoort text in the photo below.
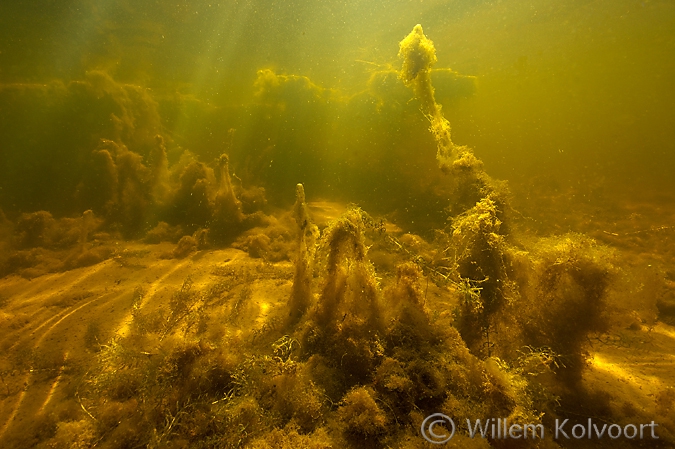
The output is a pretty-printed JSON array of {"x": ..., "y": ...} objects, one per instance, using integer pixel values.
[{"x": 501, "y": 429}]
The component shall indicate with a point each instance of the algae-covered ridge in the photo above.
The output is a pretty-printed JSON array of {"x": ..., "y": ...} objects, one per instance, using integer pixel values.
[{"x": 211, "y": 318}]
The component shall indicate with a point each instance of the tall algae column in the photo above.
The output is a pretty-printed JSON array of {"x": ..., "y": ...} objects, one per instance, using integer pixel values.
[
  {"x": 227, "y": 216},
  {"x": 301, "y": 293},
  {"x": 478, "y": 206},
  {"x": 471, "y": 182},
  {"x": 419, "y": 54}
]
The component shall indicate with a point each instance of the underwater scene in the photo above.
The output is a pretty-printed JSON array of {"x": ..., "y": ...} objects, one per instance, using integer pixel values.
[{"x": 337, "y": 224}]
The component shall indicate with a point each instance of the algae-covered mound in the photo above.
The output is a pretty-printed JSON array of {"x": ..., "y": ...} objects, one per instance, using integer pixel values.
[
  {"x": 478, "y": 247},
  {"x": 380, "y": 351},
  {"x": 128, "y": 196},
  {"x": 567, "y": 298}
]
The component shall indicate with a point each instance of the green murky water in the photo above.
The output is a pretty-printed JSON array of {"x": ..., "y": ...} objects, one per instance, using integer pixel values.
[{"x": 151, "y": 151}]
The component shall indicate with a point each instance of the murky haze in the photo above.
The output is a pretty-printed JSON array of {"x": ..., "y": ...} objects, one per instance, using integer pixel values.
[
  {"x": 574, "y": 91},
  {"x": 313, "y": 223}
]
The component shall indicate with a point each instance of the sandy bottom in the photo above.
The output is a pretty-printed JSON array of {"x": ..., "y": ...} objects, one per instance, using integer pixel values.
[{"x": 49, "y": 322}]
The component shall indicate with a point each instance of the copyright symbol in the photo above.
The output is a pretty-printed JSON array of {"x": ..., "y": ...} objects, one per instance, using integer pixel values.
[{"x": 435, "y": 435}]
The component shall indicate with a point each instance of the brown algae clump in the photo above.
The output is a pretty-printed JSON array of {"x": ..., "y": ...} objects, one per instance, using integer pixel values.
[{"x": 418, "y": 54}]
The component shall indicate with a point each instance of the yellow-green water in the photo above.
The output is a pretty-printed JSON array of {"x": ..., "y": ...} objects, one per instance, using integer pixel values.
[
  {"x": 576, "y": 91},
  {"x": 123, "y": 226}
]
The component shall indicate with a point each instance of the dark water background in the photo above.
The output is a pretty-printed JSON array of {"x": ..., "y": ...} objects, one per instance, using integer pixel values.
[{"x": 571, "y": 97}]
